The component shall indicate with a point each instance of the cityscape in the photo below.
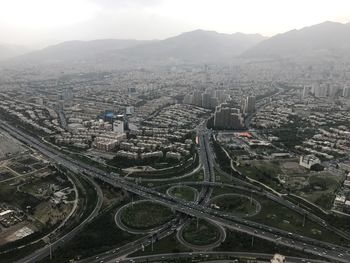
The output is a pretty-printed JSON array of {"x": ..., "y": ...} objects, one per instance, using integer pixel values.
[{"x": 183, "y": 146}]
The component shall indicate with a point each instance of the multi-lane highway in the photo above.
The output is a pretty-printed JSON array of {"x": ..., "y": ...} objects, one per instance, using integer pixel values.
[
  {"x": 60, "y": 242},
  {"x": 174, "y": 225},
  {"x": 322, "y": 249},
  {"x": 205, "y": 256}
]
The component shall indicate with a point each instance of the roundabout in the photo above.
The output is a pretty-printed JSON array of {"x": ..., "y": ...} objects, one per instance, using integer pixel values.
[
  {"x": 184, "y": 192},
  {"x": 200, "y": 234},
  {"x": 142, "y": 217},
  {"x": 236, "y": 205}
]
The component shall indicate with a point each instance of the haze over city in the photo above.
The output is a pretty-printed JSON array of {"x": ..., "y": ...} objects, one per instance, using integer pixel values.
[
  {"x": 174, "y": 131},
  {"x": 38, "y": 23}
]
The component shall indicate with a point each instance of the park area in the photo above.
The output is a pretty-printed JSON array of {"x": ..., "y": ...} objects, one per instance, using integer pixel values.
[
  {"x": 201, "y": 233},
  {"x": 185, "y": 193},
  {"x": 287, "y": 176},
  {"x": 145, "y": 215},
  {"x": 236, "y": 204}
]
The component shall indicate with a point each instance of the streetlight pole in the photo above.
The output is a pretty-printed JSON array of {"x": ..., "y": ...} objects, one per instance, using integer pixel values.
[
  {"x": 152, "y": 242},
  {"x": 50, "y": 247}
]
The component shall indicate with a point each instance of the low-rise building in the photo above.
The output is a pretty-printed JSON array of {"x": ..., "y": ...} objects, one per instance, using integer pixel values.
[{"x": 309, "y": 160}]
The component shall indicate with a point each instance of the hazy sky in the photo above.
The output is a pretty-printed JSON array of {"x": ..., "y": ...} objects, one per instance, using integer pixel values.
[{"x": 42, "y": 22}]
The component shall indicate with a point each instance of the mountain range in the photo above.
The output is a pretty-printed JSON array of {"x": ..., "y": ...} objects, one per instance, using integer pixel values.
[
  {"x": 195, "y": 46},
  {"x": 200, "y": 46},
  {"x": 325, "y": 39},
  {"x": 8, "y": 51}
]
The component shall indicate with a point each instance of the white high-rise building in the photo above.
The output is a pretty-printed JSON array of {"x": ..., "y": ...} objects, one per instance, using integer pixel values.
[
  {"x": 228, "y": 118},
  {"x": 333, "y": 90},
  {"x": 306, "y": 91},
  {"x": 249, "y": 105},
  {"x": 188, "y": 99},
  {"x": 221, "y": 95},
  {"x": 321, "y": 90},
  {"x": 118, "y": 126},
  {"x": 206, "y": 100},
  {"x": 129, "y": 110},
  {"x": 197, "y": 98},
  {"x": 346, "y": 91}
]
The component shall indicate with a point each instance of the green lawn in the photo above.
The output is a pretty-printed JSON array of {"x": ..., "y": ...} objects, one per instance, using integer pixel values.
[
  {"x": 264, "y": 172},
  {"x": 205, "y": 234},
  {"x": 145, "y": 215},
  {"x": 235, "y": 204},
  {"x": 321, "y": 190},
  {"x": 184, "y": 192},
  {"x": 275, "y": 215},
  {"x": 100, "y": 235}
]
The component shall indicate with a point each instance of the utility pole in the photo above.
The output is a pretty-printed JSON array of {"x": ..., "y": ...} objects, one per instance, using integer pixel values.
[
  {"x": 252, "y": 241},
  {"x": 304, "y": 220},
  {"x": 152, "y": 242},
  {"x": 50, "y": 250},
  {"x": 197, "y": 223}
]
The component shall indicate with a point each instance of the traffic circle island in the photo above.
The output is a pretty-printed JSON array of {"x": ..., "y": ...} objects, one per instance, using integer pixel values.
[
  {"x": 200, "y": 234},
  {"x": 184, "y": 192},
  {"x": 236, "y": 205},
  {"x": 143, "y": 216}
]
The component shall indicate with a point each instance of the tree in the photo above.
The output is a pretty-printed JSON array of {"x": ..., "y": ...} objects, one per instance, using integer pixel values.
[{"x": 317, "y": 167}]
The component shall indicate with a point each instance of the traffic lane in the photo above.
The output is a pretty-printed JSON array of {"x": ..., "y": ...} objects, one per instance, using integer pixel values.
[
  {"x": 206, "y": 255},
  {"x": 140, "y": 193}
]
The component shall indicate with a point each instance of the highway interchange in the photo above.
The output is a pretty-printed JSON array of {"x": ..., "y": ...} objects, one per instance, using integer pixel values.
[{"x": 200, "y": 210}]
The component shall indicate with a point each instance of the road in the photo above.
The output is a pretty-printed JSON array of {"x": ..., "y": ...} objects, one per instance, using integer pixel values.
[
  {"x": 205, "y": 256},
  {"x": 45, "y": 251},
  {"x": 325, "y": 250},
  {"x": 149, "y": 180},
  {"x": 277, "y": 197},
  {"x": 174, "y": 225}
]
